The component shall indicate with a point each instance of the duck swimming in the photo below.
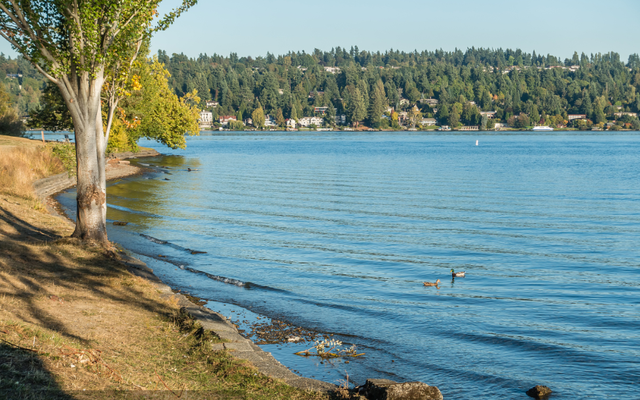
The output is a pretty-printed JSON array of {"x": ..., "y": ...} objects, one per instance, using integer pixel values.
[
  {"x": 457, "y": 274},
  {"x": 432, "y": 283}
]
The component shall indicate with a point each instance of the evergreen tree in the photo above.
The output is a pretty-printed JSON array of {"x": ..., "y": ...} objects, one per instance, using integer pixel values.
[{"x": 357, "y": 109}]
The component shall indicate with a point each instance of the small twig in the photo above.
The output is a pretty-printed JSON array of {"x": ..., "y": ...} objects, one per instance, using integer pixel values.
[
  {"x": 165, "y": 385},
  {"x": 20, "y": 347}
]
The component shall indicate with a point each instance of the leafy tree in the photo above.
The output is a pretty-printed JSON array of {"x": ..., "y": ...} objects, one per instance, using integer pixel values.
[
  {"x": 53, "y": 114},
  {"x": 153, "y": 111},
  {"x": 258, "y": 118},
  {"x": 83, "y": 46},
  {"x": 10, "y": 123}
]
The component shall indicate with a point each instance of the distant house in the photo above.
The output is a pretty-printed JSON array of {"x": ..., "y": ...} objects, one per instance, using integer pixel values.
[
  {"x": 404, "y": 102},
  {"x": 341, "y": 119},
  {"x": 332, "y": 70},
  {"x": 429, "y": 102},
  {"x": 320, "y": 110},
  {"x": 212, "y": 104},
  {"x": 312, "y": 95},
  {"x": 269, "y": 121},
  {"x": 500, "y": 125},
  {"x": 206, "y": 118},
  {"x": 14, "y": 75},
  {"x": 291, "y": 123},
  {"x": 402, "y": 116},
  {"x": 622, "y": 114},
  {"x": 468, "y": 128},
  {"x": 248, "y": 121},
  {"x": 389, "y": 110},
  {"x": 428, "y": 121},
  {"x": 281, "y": 91},
  {"x": 488, "y": 114},
  {"x": 225, "y": 119},
  {"x": 571, "y": 117},
  {"x": 306, "y": 121}
]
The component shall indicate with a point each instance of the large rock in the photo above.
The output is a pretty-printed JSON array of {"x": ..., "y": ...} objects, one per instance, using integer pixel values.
[
  {"x": 539, "y": 392},
  {"x": 384, "y": 389}
]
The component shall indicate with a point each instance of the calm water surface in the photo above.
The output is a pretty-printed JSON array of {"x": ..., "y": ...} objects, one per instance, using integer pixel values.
[{"x": 338, "y": 232}]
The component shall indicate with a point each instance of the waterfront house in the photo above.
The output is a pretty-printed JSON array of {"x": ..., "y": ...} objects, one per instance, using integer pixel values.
[
  {"x": 269, "y": 121},
  {"x": 248, "y": 121},
  {"x": 571, "y": 117},
  {"x": 428, "y": 121},
  {"x": 225, "y": 119},
  {"x": 307, "y": 121},
  {"x": 290, "y": 123},
  {"x": 341, "y": 119},
  {"x": 206, "y": 119},
  {"x": 468, "y": 128}
]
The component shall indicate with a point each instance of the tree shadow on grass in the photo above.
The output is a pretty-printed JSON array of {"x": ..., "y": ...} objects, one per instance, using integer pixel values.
[
  {"x": 24, "y": 376},
  {"x": 41, "y": 265}
]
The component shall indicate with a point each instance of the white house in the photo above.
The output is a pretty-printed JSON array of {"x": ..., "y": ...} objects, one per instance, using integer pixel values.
[
  {"x": 306, "y": 121},
  {"x": 488, "y": 114},
  {"x": 341, "y": 119},
  {"x": 206, "y": 118},
  {"x": 571, "y": 117},
  {"x": 630, "y": 114},
  {"x": 291, "y": 123},
  {"x": 404, "y": 102},
  {"x": 428, "y": 121},
  {"x": 225, "y": 119},
  {"x": 269, "y": 121},
  {"x": 332, "y": 70},
  {"x": 212, "y": 104}
]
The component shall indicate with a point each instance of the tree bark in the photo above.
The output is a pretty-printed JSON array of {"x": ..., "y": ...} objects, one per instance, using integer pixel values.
[{"x": 91, "y": 214}]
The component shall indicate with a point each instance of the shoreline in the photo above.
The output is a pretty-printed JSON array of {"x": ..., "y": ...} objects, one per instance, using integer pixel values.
[{"x": 239, "y": 347}]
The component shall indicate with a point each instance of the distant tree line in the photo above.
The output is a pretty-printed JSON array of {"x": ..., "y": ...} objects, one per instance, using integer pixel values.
[{"x": 523, "y": 89}]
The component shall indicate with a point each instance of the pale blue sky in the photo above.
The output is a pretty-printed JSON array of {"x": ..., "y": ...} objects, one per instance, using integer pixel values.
[{"x": 254, "y": 27}]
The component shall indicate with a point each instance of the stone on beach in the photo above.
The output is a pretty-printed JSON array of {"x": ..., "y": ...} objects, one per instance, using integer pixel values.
[{"x": 385, "y": 389}]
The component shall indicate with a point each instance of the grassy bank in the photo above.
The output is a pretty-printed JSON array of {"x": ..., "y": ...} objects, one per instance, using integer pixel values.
[{"x": 75, "y": 324}]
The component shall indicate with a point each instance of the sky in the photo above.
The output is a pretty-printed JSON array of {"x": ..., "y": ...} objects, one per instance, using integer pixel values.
[{"x": 255, "y": 27}]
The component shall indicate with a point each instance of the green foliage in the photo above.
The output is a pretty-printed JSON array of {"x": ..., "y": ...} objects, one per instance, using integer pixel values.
[
  {"x": 258, "y": 118},
  {"x": 480, "y": 75},
  {"x": 10, "y": 124},
  {"x": 66, "y": 152},
  {"x": 155, "y": 112},
  {"x": 52, "y": 114}
]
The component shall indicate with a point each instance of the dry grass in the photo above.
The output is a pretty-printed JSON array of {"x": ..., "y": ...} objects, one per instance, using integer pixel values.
[
  {"x": 75, "y": 324},
  {"x": 22, "y": 163}
]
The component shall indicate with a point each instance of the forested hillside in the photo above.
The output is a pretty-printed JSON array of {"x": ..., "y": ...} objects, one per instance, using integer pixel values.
[{"x": 523, "y": 88}]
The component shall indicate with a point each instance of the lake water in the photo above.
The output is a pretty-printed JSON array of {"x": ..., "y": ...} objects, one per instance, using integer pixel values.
[{"x": 338, "y": 231}]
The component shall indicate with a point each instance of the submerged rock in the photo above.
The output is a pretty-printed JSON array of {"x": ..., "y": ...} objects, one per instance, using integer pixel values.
[
  {"x": 539, "y": 392},
  {"x": 385, "y": 389}
]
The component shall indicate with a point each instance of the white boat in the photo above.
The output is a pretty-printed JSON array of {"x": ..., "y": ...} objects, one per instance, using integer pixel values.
[{"x": 542, "y": 128}]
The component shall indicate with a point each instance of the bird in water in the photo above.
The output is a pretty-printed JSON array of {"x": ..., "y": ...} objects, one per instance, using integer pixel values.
[
  {"x": 432, "y": 283},
  {"x": 455, "y": 274}
]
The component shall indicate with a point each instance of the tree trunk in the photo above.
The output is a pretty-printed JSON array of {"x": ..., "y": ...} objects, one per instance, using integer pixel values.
[{"x": 91, "y": 221}]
